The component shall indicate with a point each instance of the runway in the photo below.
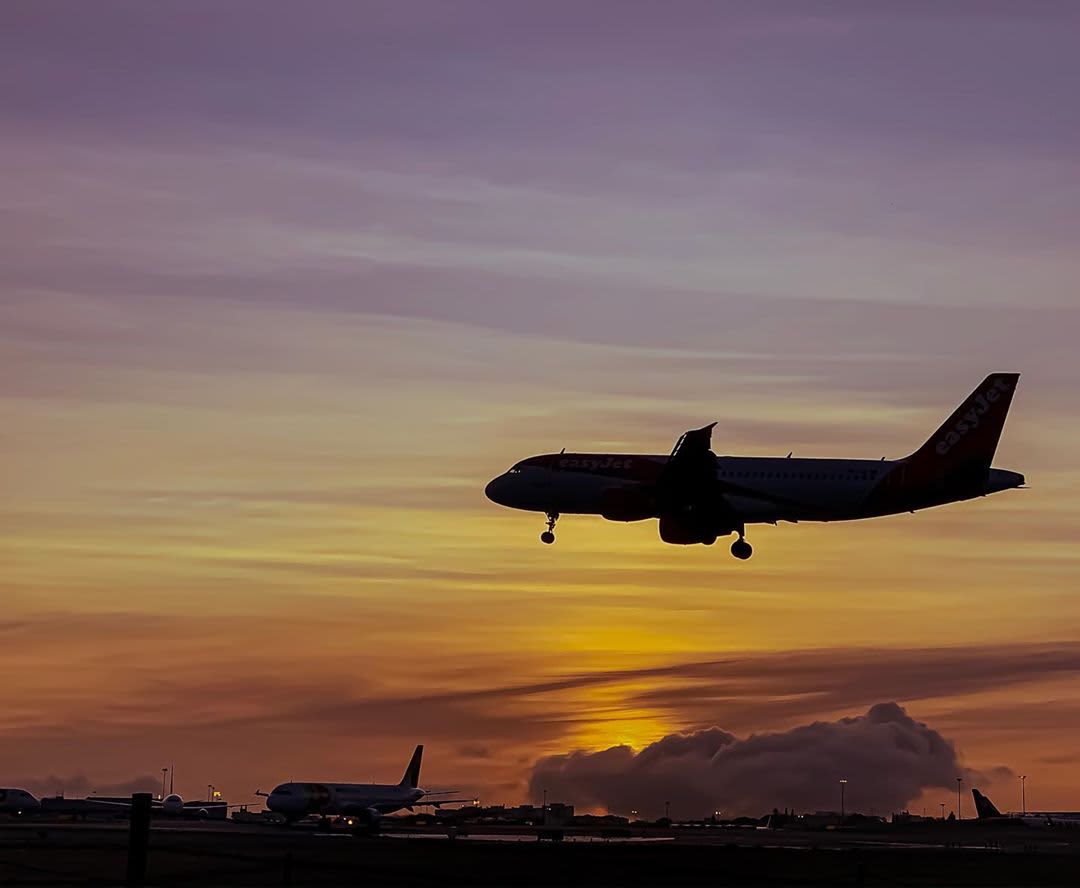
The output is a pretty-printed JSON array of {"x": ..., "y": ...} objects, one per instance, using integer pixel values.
[{"x": 206, "y": 853}]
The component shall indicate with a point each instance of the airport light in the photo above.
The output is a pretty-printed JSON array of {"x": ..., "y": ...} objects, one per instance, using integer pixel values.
[
  {"x": 843, "y": 786},
  {"x": 959, "y": 812},
  {"x": 1023, "y": 793}
]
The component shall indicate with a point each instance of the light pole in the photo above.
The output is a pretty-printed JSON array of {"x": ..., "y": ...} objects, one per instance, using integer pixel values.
[
  {"x": 667, "y": 810},
  {"x": 164, "y": 771},
  {"x": 959, "y": 783},
  {"x": 843, "y": 786},
  {"x": 1023, "y": 793},
  {"x": 942, "y": 810}
]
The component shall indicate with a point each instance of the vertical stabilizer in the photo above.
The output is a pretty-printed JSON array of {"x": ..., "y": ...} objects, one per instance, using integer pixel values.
[
  {"x": 983, "y": 806},
  {"x": 411, "y": 778},
  {"x": 961, "y": 450}
]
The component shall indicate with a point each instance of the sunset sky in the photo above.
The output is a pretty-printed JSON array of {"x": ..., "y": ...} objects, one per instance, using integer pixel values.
[{"x": 284, "y": 285}]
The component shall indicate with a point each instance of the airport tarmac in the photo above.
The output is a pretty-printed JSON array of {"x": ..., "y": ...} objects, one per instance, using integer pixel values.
[{"x": 209, "y": 854}]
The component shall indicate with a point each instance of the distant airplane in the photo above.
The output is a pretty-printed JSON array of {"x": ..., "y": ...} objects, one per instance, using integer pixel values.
[
  {"x": 987, "y": 811},
  {"x": 699, "y": 496},
  {"x": 171, "y": 805},
  {"x": 18, "y": 802},
  {"x": 364, "y": 802}
]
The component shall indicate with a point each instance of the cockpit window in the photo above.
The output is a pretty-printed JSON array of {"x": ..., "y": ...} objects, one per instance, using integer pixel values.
[{"x": 516, "y": 470}]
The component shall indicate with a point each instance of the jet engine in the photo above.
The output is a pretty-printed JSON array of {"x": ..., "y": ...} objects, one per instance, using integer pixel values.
[
  {"x": 363, "y": 819},
  {"x": 683, "y": 531},
  {"x": 172, "y": 804}
]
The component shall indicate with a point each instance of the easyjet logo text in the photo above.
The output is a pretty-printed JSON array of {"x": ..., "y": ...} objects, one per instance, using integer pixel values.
[
  {"x": 971, "y": 419},
  {"x": 594, "y": 463}
]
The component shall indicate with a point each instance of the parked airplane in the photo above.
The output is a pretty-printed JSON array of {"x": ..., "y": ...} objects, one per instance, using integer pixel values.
[
  {"x": 698, "y": 496},
  {"x": 18, "y": 802},
  {"x": 171, "y": 805},
  {"x": 364, "y": 802},
  {"x": 988, "y": 812}
]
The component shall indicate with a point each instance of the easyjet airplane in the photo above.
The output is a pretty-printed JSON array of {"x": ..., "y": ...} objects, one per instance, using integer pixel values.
[{"x": 699, "y": 496}]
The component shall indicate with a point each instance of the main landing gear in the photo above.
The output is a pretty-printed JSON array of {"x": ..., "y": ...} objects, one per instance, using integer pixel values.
[
  {"x": 741, "y": 549},
  {"x": 548, "y": 536}
]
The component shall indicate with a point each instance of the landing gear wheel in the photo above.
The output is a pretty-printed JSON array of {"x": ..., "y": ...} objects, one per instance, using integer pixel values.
[
  {"x": 709, "y": 540},
  {"x": 548, "y": 536},
  {"x": 741, "y": 549}
]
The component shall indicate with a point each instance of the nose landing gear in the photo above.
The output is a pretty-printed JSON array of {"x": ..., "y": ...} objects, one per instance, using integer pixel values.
[{"x": 548, "y": 536}]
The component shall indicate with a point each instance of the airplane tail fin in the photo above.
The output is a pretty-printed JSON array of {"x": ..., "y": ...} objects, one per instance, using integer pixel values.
[
  {"x": 983, "y": 806},
  {"x": 963, "y": 448},
  {"x": 411, "y": 778}
]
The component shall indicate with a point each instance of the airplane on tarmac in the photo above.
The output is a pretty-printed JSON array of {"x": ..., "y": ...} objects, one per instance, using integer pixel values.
[
  {"x": 171, "y": 805},
  {"x": 18, "y": 802},
  {"x": 987, "y": 811},
  {"x": 365, "y": 803},
  {"x": 699, "y": 496}
]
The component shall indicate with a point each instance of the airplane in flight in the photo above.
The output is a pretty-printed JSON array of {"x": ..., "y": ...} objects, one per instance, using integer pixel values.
[
  {"x": 365, "y": 803},
  {"x": 699, "y": 496}
]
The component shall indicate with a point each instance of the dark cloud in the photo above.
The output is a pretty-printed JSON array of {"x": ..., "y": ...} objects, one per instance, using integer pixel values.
[
  {"x": 888, "y": 758},
  {"x": 197, "y": 689}
]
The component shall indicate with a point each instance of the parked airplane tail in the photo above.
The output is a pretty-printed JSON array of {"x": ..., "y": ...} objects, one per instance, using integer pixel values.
[
  {"x": 963, "y": 448},
  {"x": 983, "y": 806},
  {"x": 411, "y": 778}
]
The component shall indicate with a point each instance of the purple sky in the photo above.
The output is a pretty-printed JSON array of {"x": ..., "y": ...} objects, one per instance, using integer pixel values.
[{"x": 284, "y": 284}]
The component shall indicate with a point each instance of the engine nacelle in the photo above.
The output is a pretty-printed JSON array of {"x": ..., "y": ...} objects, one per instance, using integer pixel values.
[
  {"x": 681, "y": 532},
  {"x": 363, "y": 819},
  {"x": 627, "y": 504},
  {"x": 172, "y": 804}
]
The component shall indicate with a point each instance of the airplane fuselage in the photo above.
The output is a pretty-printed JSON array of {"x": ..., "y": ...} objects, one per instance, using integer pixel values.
[
  {"x": 757, "y": 489},
  {"x": 295, "y": 800}
]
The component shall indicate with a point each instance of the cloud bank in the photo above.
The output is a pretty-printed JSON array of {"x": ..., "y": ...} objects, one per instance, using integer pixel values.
[
  {"x": 79, "y": 784},
  {"x": 887, "y": 757}
]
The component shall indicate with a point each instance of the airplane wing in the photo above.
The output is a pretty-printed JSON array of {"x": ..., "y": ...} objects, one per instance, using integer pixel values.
[
  {"x": 692, "y": 459},
  {"x": 435, "y": 803},
  {"x": 694, "y": 504},
  {"x": 689, "y": 477}
]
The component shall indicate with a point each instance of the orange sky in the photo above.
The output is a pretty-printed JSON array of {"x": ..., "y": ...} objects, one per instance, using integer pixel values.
[{"x": 254, "y": 377}]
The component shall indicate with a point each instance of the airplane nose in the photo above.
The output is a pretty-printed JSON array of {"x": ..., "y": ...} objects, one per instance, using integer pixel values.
[{"x": 496, "y": 490}]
